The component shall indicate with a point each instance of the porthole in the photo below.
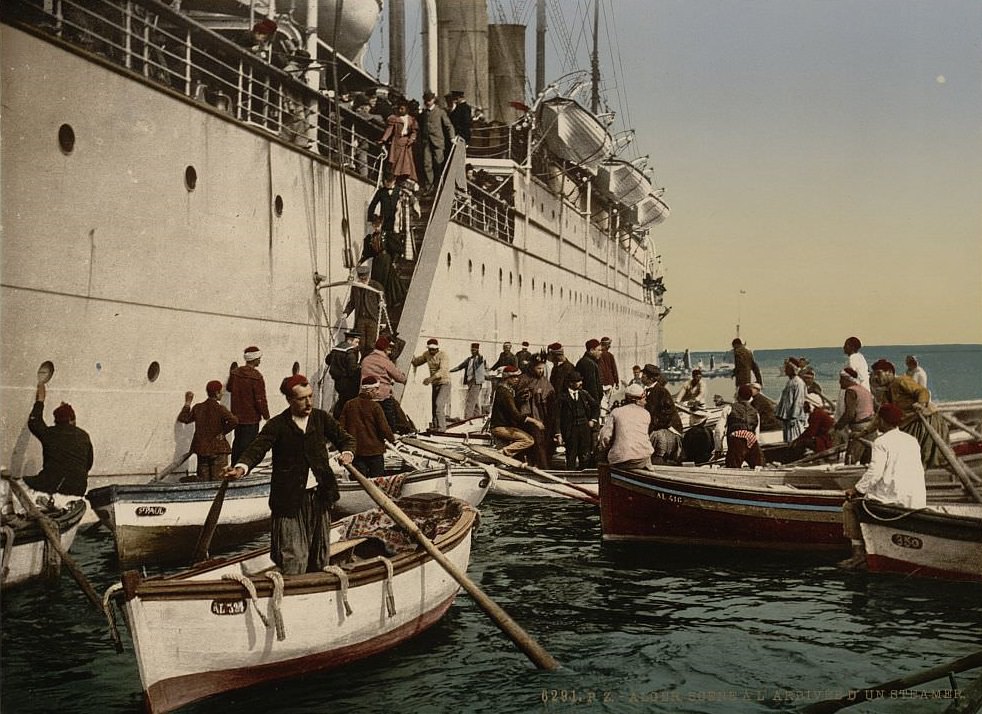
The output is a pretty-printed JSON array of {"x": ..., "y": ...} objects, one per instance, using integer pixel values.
[
  {"x": 190, "y": 178},
  {"x": 470, "y": 266},
  {"x": 511, "y": 278},
  {"x": 533, "y": 283},
  {"x": 45, "y": 371},
  {"x": 278, "y": 205},
  {"x": 66, "y": 138},
  {"x": 448, "y": 260},
  {"x": 519, "y": 281},
  {"x": 482, "y": 269},
  {"x": 501, "y": 276},
  {"x": 153, "y": 371}
]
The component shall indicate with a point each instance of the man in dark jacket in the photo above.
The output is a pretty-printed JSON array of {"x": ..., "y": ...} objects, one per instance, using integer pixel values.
[
  {"x": 460, "y": 115},
  {"x": 248, "y": 391},
  {"x": 744, "y": 365},
  {"x": 741, "y": 432},
  {"x": 561, "y": 367},
  {"x": 579, "y": 413},
  {"x": 589, "y": 370},
  {"x": 299, "y": 437},
  {"x": 436, "y": 134},
  {"x": 363, "y": 418},
  {"x": 506, "y": 420},
  {"x": 66, "y": 450},
  {"x": 659, "y": 401},
  {"x": 344, "y": 366},
  {"x": 211, "y": 422}
]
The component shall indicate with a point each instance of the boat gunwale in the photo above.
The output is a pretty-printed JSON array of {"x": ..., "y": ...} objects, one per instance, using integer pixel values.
[{"x": 30, "y": 532}]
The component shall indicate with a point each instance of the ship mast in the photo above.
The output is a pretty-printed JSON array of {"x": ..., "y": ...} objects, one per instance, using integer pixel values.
[
  {"x": 397, "y": 45},
  {"x": 540, "y": 46},
  {"x": 595, "y": 61}
]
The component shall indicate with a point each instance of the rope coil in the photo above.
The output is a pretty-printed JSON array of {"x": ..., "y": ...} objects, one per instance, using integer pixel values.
[
  {"x": 342, "y": 577},
  {"x": 250, "y": 588},
  {"x": 276, "y": 603}
]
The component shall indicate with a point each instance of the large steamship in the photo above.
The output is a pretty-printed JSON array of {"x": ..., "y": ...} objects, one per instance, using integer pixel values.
[{"x": 170, "y": 197}]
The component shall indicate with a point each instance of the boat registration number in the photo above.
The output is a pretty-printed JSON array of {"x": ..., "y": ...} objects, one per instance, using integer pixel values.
[
  {"x": 228, "y": 607},
  {"x": 145, "y": 511},
  {"x": 903, "y": 540}
]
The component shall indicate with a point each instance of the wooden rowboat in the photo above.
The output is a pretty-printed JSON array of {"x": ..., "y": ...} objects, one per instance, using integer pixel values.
[
  {"x": 160, "y": 522},
  {"x": 26, "y": 550},
  {"x": 943, "y": 541},
  {"x": 469, "y": 484},
  {"x": 235, "y": 622}
]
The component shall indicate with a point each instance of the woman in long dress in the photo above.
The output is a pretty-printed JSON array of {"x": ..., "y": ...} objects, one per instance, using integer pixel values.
[{"x": 400, "y": 133}]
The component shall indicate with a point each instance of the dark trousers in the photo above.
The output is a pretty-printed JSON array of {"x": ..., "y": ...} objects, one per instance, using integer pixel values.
[
  {"x": 737, "y": 452},
  {"x": 391, "y": 414},
  {"x": 578, "y": 443},
  {"x": 244, "y": 434},
  {"x": 301, "y": 543},
  {"x": 371, "y": 466}
]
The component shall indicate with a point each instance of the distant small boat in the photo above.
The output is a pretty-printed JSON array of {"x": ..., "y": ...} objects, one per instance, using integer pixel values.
[
  {"x": 232, "y": 623},
  {"x": 160, "y": 522},
  {"x": 941, "y": 541},
  {"x": 24, "y": 547},
  {"x": 468, "y": 483}
]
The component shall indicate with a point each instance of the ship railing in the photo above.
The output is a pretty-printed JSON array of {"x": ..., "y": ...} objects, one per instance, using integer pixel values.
[
  {"x": 484, "y": 212},
  {"x": 161, "y": 44}
]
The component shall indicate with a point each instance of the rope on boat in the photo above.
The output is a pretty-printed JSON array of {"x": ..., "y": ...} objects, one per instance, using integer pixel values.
[
  {"x": 250, "y": 588},
  {"x": 8, "y": 549},
  {"x": 883, "y": 519},
  {"x": 342, "y": 577},
  {"x": 107, "y": 609},
  {"x": 390, "y": 598},
  {"x": 276, "y": 603}
]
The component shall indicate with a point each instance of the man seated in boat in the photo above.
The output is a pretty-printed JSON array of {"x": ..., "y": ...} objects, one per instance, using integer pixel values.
[
  {"x": 694, "y": 392},
  {"x": 624, "y": 436},
  {"x": 742, "y": 431},
  {"x": 856, "y": 422},
  {"x": 818, "y": 435},
  {"x": 212, "y": 421},
  {"x": 506, "y": 419},
  {"x": 67, "y": 457},
  {"x": 895, "y": 475},
  {"x": 907, "y": 395},
  {"x": 765, "y": 409},
  {"x": 299, "y": 437}
]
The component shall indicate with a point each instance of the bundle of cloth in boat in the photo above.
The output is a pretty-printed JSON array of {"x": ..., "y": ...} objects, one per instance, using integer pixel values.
[
  {"x": 432, "y": 513},
  {"x": 390, "y": 485}
]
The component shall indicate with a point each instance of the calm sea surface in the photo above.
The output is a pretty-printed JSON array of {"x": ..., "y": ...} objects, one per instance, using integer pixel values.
[{"x": 660, "y": 629}]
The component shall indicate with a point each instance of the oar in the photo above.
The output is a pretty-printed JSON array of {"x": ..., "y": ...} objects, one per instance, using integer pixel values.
[
  {"x": 516, "y": 464},
  {"x": 961, "y": 425},
  {"x": 462, "y": 459},
  {"x": 895, "y": 685},
  {"x": 170, "y": 467},
  {"x": 54, "y": 539},
  {"x": 961, "y": 471},
  {"x": 211, "y": 524},
  {"x": 532, "y": 649},
  {"x": 818, "y": 455}
]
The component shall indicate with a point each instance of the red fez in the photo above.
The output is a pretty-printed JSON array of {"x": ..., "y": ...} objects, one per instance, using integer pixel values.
[
  {"x": 432, "y": 342},
  {"x": 265, "y": 27},
  {"x": 891, "y": 414},
  {"x": 511, "y": 370},
  {"x": 64, "y": 414},
  {"x": 476, "y": 345},
  {"x": 287, "y": 385},
  {"x": 555, "y": 347},
  {"x": 605, "y": 340},
  {"x": 696, "y": 372},
  {"x": 882, "y": 365},
  {"x": 745, "y": 392},
  {"x": 213, "y": 387},
  {"x": 525, "y": 344},
  {"x": 592, "y": 344},
  {"x": 382, "y": 343}
]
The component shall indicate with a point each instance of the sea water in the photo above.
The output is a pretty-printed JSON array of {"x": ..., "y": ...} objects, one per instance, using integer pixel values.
[{"x": 636, "y": 629}]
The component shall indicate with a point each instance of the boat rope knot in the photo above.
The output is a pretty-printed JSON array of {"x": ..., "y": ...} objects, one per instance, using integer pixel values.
[
  {"x": 342, "y": 577},
  {"x": 251, "y": 589},
  {"x": 276, "y": 603}
]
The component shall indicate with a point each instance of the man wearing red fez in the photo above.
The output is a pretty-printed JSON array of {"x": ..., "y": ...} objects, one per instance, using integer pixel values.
[
  {"x": 473, "y": 367},
  {"x": 247, "y": 389},
  {"x": 299, "y": 437},
  {"x": 212, "y": 422},
  {"x": 438, "y": 363},
  {"x": 66, "y": 452},
  {"x": 378, "y": 364},
  {"x": 609, "y": 378},
  {"x": 895, "y": 475},
  {"x": 363, "y": 418},
  {"x": 589, "y": 369}
]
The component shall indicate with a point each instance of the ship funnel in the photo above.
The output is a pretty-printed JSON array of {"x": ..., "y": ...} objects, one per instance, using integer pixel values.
[
  {"x": 506, "y": 70},
  {"x": 463, "y": 50}
]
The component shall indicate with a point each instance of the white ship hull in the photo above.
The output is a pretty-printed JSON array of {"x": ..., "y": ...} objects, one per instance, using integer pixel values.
[{"x": 138, "y": 288}]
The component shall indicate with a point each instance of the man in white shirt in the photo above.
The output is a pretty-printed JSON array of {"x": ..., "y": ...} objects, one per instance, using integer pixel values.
[
  {"x": 895, "y": 475},
  {"x": 625, "y": 432},
  {"x": 856, "y": 360}
]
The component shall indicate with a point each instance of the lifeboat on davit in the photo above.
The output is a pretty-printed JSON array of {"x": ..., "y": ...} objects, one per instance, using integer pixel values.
[
  {"x": 574, "y": 134},
  {"x": 622, "y": 182},
  {"x": 649, "y": 211}
]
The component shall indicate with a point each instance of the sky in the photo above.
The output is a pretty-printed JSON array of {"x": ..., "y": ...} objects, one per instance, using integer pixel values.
[{"x": 822, "y": 160}]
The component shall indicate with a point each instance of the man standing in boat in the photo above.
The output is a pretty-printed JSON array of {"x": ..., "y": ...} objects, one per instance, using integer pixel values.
[
  {"x": 299, "y": 437},
  {"x": 212, "y": 422},
  {"x": 857, "y": 416},
  {"x": 609, "y": 379},
  {"x": 579, "y": 413},
  {"x": 473, "y": 368},
  {"x": 248, "y": 391},
  {"x": 791, "y": 406},
  {"x": 66, "y": 452},
  {"x": 910, "y": 397},
  {"x": 561, "y": 367},
  {"x": 744, "y": 364},
  {"x": 438, "y": 363},
  {"x": 589, "y": 369},
  {"x": 895, "y": 475}
]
